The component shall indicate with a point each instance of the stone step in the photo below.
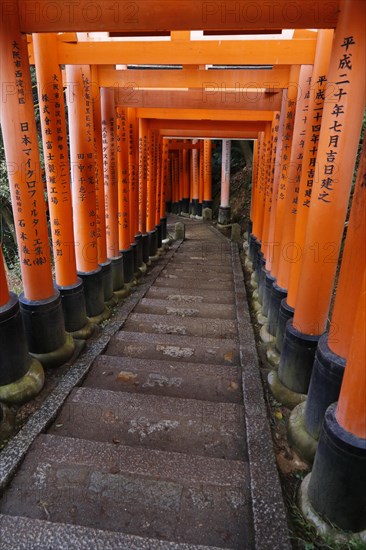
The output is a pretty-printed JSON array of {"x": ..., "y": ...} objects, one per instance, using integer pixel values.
[
  {"x": 191, "y": 296},
  {"x": 188, "y": 270},
  {"x": 197, "y": 284},
  {"x": 21, "y": 533},
  {"x": 192, "y": 260},
  {"x": 174, "y": 348},
  {"x": 165, "y": 423},
  {"x": 210, "y": 276},
  {"x": 158, "y": 495},
  {"x": 163, "y": 324},
  {"x": 181, "y": 309},
  {"x": 217, "y": 383}
]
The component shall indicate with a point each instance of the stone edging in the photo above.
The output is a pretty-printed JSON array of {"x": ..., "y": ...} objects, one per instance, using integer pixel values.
[
  {"x": 269, "y": 513},
  {"x": 14, "y": 453}
]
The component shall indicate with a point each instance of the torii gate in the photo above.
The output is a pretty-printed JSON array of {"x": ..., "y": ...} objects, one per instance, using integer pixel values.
[{"x": 334, "y": 132}]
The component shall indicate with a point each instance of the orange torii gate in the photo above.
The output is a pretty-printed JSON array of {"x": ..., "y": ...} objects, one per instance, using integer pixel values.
[{"x": 311, "y": 297}]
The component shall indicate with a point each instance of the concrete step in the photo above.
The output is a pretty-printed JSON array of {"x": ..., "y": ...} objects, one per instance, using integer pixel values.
[
  {"x": 195, "y": 309},
  {"x": 165, "y": 423},
  {"x": 192, "y": 296},
  {"x": 21, "y": 533},
  {"x": 163, "y": 324},
  {"x": 168, "y": 496},
  {"x": 198, "y": 284},
  {"x": 217, "y": 383},
  {"x": 174, "y": 348}
]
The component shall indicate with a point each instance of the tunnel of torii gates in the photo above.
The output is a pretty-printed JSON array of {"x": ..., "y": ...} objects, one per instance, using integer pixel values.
[{"x": 139, "y": 145}]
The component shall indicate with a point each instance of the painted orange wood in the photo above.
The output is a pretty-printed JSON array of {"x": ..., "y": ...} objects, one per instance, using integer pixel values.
[
  {"x": 123, "y": 191},
  {"x": 205, "y": 115},
  {"x": 217, "y": 83},
  {"x": 268, "y": 200},
  {"x": 339, "y": 137},
  {"x": 207, "y": 153},
  {"x": 110, "y": 170},
  {"x": 352, "y": 268},
  {"x": 285, "y": 158},
  {"x": 313, "y": 125},
  {"x": 24, "y": 168},
  {"x": 133, "y": 172},
  {"x": 288, "y": 250},
  {"x": 56, "y": 157},
  {"x": 167, "y": 15},
  {"x": 143, "y": 170},
  {"x": 209, "y": 98},
  {"x": 220, "y": 52},
  {"x": 80, "y": 111},
  {"x": 195, "y": 174},
  {"x": 351, "y": 408},
  {"x": 98, "y": 166}
]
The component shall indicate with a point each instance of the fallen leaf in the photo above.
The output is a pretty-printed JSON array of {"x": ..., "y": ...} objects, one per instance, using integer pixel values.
[{"x": 124, "y": 376}]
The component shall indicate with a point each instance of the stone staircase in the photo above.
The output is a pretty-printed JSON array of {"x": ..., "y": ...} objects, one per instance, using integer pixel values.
[{"x": 151, "y": 451}]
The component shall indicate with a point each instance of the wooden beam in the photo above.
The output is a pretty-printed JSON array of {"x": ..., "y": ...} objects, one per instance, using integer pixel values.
[
  {"x": 198, "y": 99},
  {"x": 217, "y": 80},
  {"x": 209, "y": 134},
  {"x": 206, "y": 115},
  {"x": 166, "y": 15},
  {"x": 219, "y": 52},
  {"x": 213, "y": 125}
]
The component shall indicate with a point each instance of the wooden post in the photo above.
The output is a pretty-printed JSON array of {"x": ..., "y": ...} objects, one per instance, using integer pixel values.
[
  {"x": 82, "y": 147},
  {"x": 24, "y": 169},
  {"x": 207, "y": 191},
  {"x": 123, "y": 198},
  {"x": 310, "y": 166},
  {"x": 110, "y": 171},
  {"x": 57, "y": 168},
  {"x": 40, "y": 303},
  {"x": 338, "y": 142},
  {"x": 224, "y": 208}
]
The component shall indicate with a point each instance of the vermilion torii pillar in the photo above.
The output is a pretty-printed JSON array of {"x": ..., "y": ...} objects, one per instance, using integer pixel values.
[
  {"x": 294, "y": 91},
  {"x": 82, "y": 158},
  {"x": 195, "y": 180},
  {"x": 164, "y": 183},
  {"x": 299, "y": 213},
  {"x": 57, "y": 167},
  {"x": 224, "y": 208},
  {"x": 133, "y": 177},
  {"x": 207, "y": 189},
  {"x": 186, "y": 171},
  {"x": 110, "y": 171},
  {"x": 143, "y": 174},
  {"x": 339, "y": 137},
  {"x": 40, "y": 303},
  {"x": 123, "y": 197},
  {"x": 336, "y": 487},
  {"x": 151, "y": 195},
  {"x": 333, "y": 349},
  {"x": 288, "y": 195},
  {"x": 100, "y": 217}
]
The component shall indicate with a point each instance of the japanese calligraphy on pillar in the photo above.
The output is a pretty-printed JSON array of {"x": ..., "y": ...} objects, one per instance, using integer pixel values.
[
  {"x": 271, "y": 166},
  {"x": 316, "y": 116},
  {"x": 122, "y": 165},
  {"x": 24, "y": 163},
  {"x": 344, "y": 72},
  {"x": 297, "y": 153}
]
